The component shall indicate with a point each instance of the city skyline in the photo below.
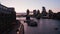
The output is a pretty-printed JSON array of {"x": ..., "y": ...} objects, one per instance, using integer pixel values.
[{"x": 22, "y": 5}]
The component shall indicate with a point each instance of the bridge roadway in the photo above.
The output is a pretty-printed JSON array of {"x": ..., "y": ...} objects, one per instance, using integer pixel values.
[{"x": 45, "y": 26}]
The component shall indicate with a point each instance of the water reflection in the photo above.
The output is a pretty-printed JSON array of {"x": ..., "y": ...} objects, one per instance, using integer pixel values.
[{"x": 45, "y": 26}]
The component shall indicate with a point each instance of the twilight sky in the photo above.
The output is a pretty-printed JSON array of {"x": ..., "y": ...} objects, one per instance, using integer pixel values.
[{"x": 23, "y": 5}]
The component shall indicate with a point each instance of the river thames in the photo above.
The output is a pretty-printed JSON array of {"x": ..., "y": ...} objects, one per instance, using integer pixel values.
[{"x": 45, "y": 26}]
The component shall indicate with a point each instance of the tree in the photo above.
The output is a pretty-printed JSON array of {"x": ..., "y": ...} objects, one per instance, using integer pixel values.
[
  {"x": 38, "y": 14},
  {"x": 27, "y": 16},
  {"x": 50, "y": 14},
  {"x": 44, "y": 13},
  {"x": 34, "y": 13}
]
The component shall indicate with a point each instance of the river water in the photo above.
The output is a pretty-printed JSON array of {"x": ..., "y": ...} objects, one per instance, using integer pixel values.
[{"x": 45, "y": 26}]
